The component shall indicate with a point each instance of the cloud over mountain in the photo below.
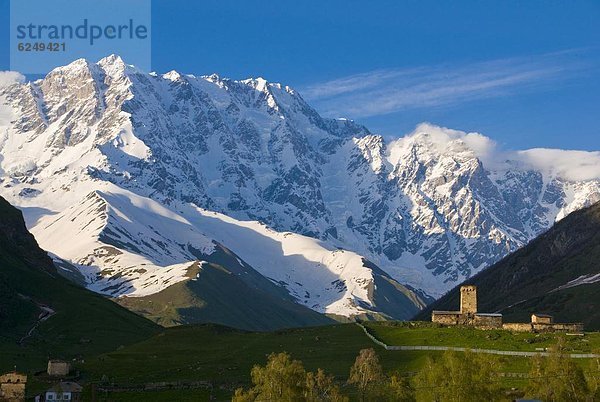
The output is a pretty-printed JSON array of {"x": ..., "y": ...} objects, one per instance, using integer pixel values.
[
  {"x": 570, "y": 165},
  {"x": 10, "y": 77}
]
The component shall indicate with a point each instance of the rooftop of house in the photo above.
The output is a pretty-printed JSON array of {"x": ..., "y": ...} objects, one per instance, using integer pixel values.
[{"x": 65, "y": 386}]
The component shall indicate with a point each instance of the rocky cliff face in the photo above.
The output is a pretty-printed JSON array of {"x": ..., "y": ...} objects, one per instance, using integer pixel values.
[{"x": 429, "y": 209}]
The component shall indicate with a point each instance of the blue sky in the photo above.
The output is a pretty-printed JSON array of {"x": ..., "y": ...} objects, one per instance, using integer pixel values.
[{"x": 525, "y": 73}]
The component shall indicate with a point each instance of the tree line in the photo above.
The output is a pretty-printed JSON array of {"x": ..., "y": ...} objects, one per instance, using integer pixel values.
[{"x": 453, "y": 376}]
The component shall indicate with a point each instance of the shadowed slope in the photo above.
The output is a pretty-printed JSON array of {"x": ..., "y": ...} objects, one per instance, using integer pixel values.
[{"x": 557, "y": 273}]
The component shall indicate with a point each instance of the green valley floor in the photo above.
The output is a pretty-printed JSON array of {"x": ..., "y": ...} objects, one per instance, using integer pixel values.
[{"x": 197, "y": 362}]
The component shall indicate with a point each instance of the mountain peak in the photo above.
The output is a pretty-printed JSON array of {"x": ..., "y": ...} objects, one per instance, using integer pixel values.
[
  {"x": 112, "y": 59},
  {"x": 172, "y": 76},
  {"x": 74, "y": 66},
  {"x": 260, "y": 84},
  {"x": 113, "y": 65}
]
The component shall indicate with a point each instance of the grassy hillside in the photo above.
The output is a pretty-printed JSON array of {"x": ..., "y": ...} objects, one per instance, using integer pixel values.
[
  {"x": 430, "y": 334},
  {"x": 220, "y": 354},
  {"x": 224, "y": 356},
  {"x": 83, "y": 323},
  {"x": 527, "y": 280},
  {"x": 215, "y": 353},
  {"x": 216, "y": 295}
]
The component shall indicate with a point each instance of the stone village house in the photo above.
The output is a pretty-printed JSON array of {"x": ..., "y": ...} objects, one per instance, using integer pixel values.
[
  {"x": 58, "y": 368},
  {"x": 468, "y": 315}
]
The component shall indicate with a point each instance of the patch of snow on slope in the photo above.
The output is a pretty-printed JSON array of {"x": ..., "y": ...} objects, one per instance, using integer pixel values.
[
  {"x": 318, "y": 275},
  {"x": 128, "y": 143},
  {"x": 125, "y": 244},
  {"x": 121, "y": 243},
  {"x": 581, "y": 280}
]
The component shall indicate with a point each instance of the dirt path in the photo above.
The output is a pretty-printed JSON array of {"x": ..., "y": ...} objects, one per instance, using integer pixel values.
[{"x": 45, "y": 313}]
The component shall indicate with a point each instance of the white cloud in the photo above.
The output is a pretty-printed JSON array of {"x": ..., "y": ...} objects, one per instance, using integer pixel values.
[
  {"x": 355, "y": 82},
  {"x": 10, "y": 77},
  {"x": 568, "y": 165},
  {"x": 443, "y": 140},
  {"x": 386, "y": 91},
  {"x": 481, "y": 145}
]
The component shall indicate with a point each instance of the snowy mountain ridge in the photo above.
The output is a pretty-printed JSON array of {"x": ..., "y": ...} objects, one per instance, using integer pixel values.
[
  {"x": 127, "y": 245},
  {"x": 429, "y": 209}
]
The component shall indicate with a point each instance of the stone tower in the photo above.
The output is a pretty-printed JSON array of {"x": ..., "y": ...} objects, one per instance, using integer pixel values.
[{"x": 468, "y": 299}]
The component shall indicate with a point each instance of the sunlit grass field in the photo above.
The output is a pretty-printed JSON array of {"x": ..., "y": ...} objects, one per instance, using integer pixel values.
[
  {"x": 429, "y": 334},
  {"x": 221, "y": 357},
  {"x": 224, "y": 357}
]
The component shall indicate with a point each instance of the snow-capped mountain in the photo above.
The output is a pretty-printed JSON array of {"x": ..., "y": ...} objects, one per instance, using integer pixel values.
[
  {"x": 127, "y": 245},
  {"x": 100, "y": 152}
]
